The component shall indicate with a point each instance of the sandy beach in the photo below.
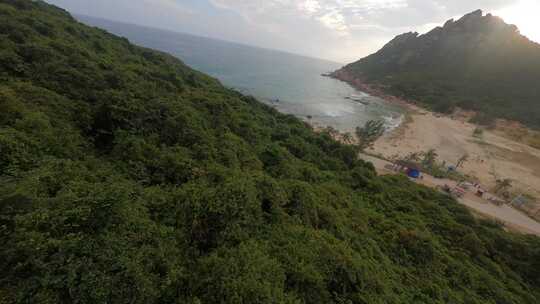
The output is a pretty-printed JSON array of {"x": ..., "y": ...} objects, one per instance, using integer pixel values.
[
  {"x": 494, "y": 155},
  {"x": 491, "y": 156}
]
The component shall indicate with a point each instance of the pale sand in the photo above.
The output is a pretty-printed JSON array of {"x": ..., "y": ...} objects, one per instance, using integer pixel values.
[
  {"x": 491, "y": 157},
  {"x": 510, "y": 217}
]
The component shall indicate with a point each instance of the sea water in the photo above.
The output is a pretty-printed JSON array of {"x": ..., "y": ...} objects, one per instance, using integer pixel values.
[{"x": 291, "y": 83}]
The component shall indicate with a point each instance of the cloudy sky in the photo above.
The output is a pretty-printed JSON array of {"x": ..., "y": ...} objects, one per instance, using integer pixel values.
[{"x": 340, "y": 30}]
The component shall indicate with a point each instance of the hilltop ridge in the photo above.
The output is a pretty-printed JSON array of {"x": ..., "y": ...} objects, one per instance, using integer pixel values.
[{"x": 477, "y": 62}]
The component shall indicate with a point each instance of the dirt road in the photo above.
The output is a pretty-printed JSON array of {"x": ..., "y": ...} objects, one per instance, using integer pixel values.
[{"x": 512, "y": 218}]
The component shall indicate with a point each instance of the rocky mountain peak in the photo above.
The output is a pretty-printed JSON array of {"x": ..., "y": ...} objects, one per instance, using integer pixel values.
[
  {"x": 477, "y": 14},
  {"x": 468, "y": 62}
]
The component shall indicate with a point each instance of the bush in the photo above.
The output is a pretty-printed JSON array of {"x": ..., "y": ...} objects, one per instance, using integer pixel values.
[{"x": 119, "y": 186}]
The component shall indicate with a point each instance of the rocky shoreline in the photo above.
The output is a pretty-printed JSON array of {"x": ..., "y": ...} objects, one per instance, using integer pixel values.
[{"x": 371, "y": 89}]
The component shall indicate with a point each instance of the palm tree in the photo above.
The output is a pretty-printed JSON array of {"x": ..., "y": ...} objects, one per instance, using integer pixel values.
[
  {"x": 462, "y": 160},
  {"x": 368, "y": 134},
  {"x": 429, "y": 159},
  {"x": 413, "y": 157},
  {"x": 503, "y": 185},
  {"x": 331, "y": 131},
  {"x": 347, "y": 138}
]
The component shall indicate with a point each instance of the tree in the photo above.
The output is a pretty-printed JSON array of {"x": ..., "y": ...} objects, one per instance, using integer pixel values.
[
  {"x": 478, "y": 132},
  {"x": 331, "y": 131},
  {"x": 463, "y": 159},
  {"x": 368, "y": 134},
  {"x": 413, "y": 157},
  {"x": 347, "y": 138},
  {"x": 502, "y": 185},
  {"x": 430, "y": 158}
]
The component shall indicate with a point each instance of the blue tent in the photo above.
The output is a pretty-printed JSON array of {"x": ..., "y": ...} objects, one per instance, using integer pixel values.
[{"x": 414, "y": 173}]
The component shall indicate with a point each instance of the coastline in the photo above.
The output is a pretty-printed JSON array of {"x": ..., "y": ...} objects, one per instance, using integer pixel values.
[{"x": 492, "y": 156}]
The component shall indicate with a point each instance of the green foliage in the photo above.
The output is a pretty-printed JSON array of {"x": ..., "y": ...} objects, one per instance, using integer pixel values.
[
  {"x": 503, "y": 185},
  {"x": 478, "y": 132},
  {"x": 430, "y": 159},
  {"x": 369, "y": 133},
  {"x": 428, "y": 162},
  {"x": 127, "y": 177}
]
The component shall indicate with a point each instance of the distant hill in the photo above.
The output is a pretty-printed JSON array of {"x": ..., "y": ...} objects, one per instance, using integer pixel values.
[
  {"x": 128, "y": 177},
  {"x": 477, "y": 62}
]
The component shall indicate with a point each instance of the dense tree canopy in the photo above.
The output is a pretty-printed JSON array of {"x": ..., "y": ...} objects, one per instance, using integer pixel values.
[
  {"x": 127, "y": 177},
  {"x": 477, "y": 63}
]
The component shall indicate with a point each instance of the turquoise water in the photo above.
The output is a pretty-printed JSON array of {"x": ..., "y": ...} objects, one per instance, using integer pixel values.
[{"x": 293, "y": 84}]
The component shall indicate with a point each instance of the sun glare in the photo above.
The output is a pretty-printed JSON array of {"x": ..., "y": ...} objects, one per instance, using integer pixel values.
[{"x": 524, "y": 14}]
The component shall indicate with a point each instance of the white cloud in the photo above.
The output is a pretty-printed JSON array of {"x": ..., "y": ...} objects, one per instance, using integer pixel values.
[
  {"x": 330, "y": 27},
  {"x": 335, "y": 20},
  {"x": 169, "y": 5},
  {"x": 310, "y": 6},
  {"x": 335, "y": 15},
  {"x": 338, "y": 29}
]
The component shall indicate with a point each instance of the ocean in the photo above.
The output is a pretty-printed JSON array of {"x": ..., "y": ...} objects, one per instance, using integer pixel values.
[{"x": 291, "y": 83}]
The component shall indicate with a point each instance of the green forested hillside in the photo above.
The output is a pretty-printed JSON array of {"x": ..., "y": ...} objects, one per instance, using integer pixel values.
[
  {"x": 127, "y": 177},
  {"x": 478, "y": 63}
]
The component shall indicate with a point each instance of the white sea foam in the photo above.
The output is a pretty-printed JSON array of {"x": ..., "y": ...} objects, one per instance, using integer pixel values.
[
  {"x": 335, "y": 110},
  {"x": 392, "y": 122},
  {"x": 359, "y": 95}
]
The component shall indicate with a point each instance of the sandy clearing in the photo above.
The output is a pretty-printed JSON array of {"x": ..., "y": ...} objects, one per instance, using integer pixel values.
[
  {"x": 491, "y": 156},
  {"x": 510, "y": 217}
]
